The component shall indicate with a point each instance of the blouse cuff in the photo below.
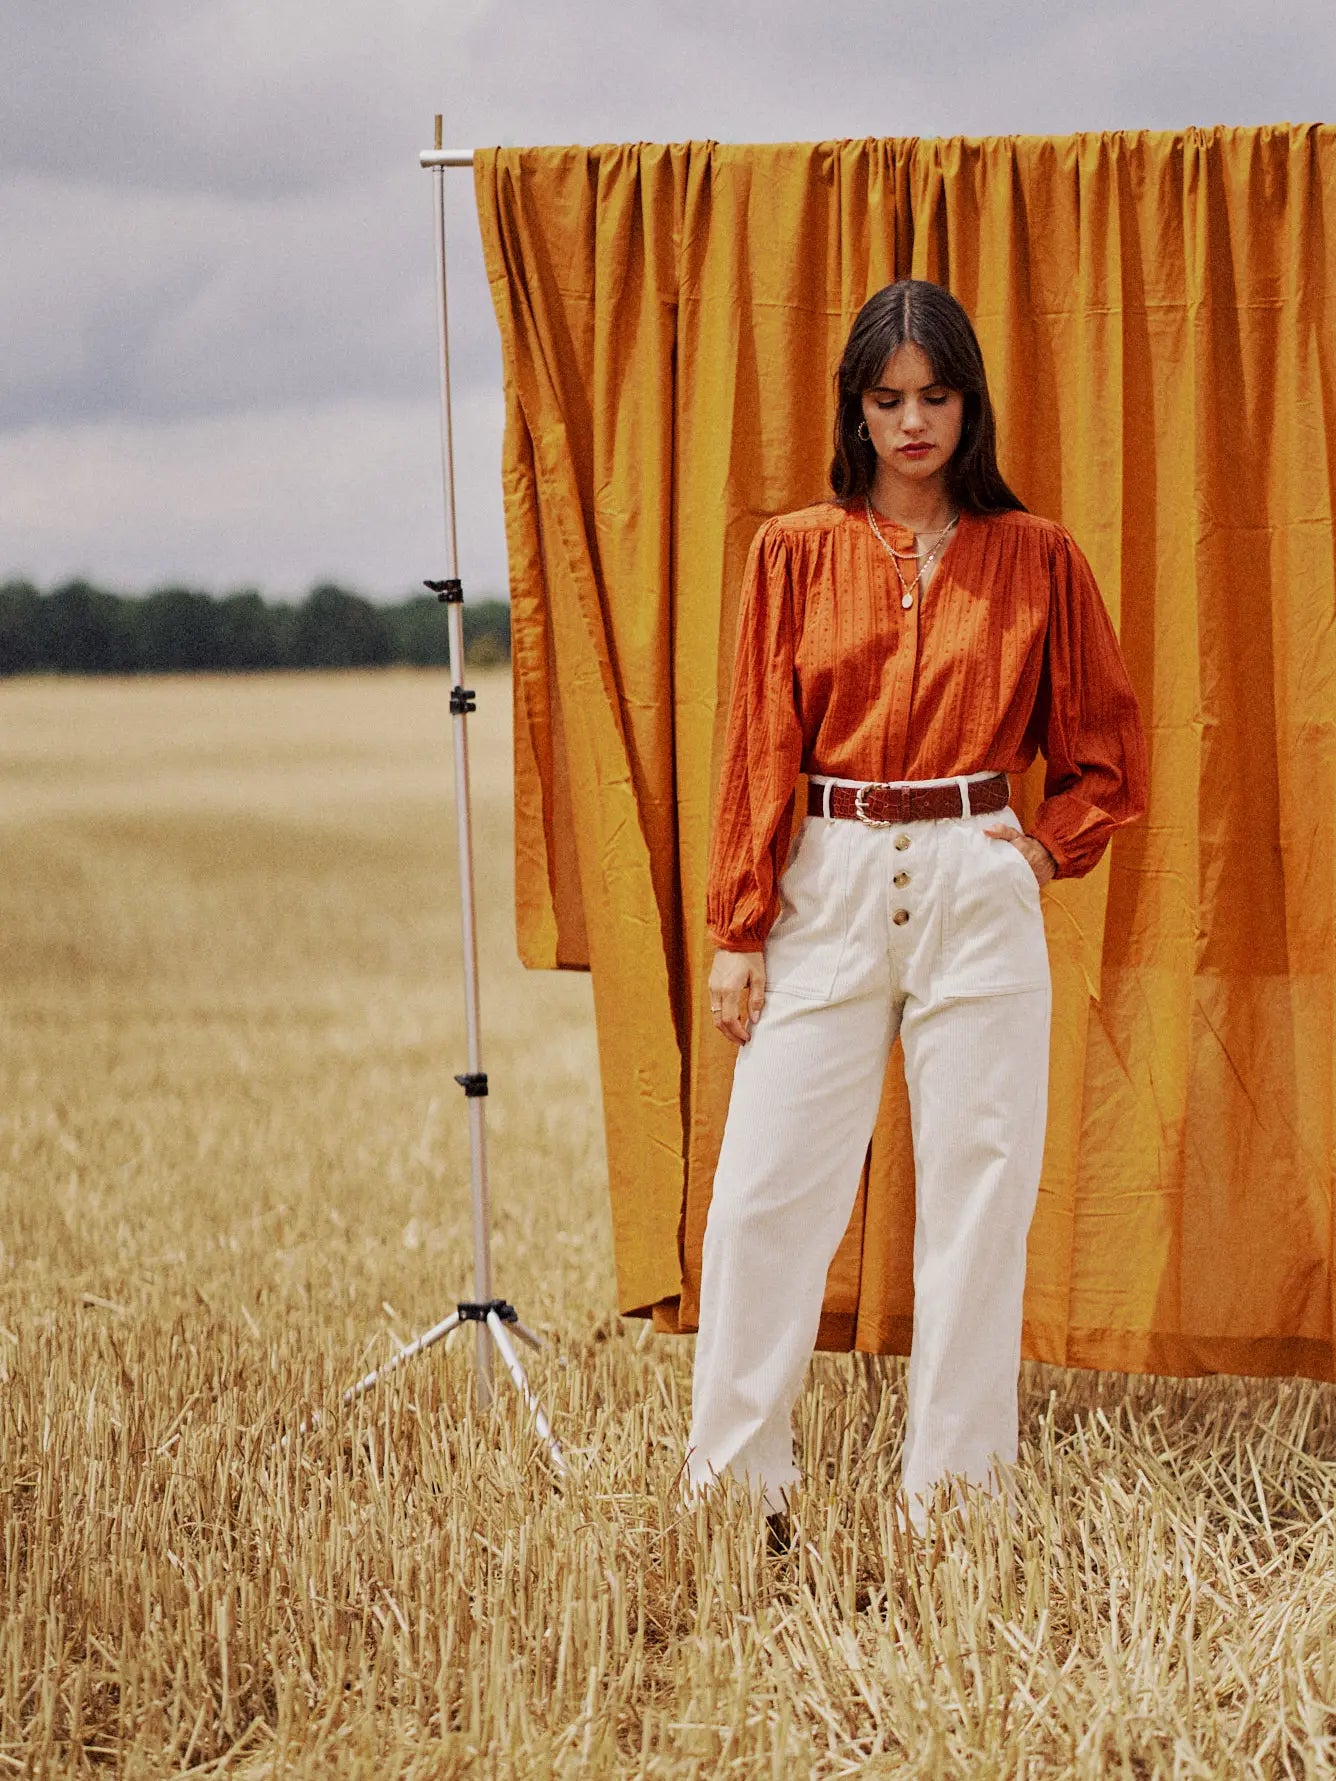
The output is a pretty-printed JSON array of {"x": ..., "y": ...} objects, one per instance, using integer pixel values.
[
  {"x": 739, "y": 942},
  {"x": 1062, "y": 860}
]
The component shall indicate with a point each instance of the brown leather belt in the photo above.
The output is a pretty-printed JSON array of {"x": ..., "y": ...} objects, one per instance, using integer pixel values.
[{"x": 885, "y": 805}]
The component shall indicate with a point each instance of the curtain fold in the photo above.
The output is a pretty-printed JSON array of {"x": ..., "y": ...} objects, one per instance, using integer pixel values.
[{"x": 1156, "y": 313}]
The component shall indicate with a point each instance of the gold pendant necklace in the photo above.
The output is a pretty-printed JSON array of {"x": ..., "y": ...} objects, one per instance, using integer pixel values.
[{"x": 907, "y": 593}]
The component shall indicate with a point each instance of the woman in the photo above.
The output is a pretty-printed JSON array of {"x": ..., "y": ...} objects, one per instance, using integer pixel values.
[{"x": 907, "y": 645}]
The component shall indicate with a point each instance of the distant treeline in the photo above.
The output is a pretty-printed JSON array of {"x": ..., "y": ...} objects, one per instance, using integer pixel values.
[{"x": 81, "y": 629}]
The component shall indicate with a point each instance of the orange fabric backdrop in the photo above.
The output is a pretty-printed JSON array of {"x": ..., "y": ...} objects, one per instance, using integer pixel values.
[{"x": 1157, "y": 312}]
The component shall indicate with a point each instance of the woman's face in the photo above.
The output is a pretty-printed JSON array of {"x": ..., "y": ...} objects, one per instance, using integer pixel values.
[{"x": 907, "y": 408}]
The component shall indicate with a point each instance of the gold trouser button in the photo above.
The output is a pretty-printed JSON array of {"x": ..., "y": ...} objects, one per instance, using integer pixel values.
[
  {"x": 901, "y": 916},
  {"x": 902, "y": 842},
  {"x": 900, "y": 878}
]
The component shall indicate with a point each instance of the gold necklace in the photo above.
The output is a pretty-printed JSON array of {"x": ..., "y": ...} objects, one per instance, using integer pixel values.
[
  {"x": 907, "y": 593},
  {"x": 904, "y": 555}
]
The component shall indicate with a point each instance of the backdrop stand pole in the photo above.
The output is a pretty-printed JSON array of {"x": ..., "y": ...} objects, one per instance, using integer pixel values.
[{"x": 490, "y": 1316}]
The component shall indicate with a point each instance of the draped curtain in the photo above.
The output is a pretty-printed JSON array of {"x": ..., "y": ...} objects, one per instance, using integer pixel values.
[{"x": 1157, "y": 318}]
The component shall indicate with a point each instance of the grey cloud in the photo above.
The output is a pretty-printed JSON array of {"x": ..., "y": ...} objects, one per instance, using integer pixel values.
[
  {"x": 145, "y": 303},
  {"x": 347, "y": 489},
  {"x": 241, "y": 96},
  {"x": 217, "y": 243}
]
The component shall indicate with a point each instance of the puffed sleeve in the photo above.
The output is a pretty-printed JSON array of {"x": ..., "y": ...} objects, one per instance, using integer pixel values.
[
  {"x": 1091, "y": 733},
  {"x": 762, "y": 755}
]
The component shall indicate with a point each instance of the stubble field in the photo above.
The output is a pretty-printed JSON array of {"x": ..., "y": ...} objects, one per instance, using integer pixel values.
[{"x": 234, "y": 1171}]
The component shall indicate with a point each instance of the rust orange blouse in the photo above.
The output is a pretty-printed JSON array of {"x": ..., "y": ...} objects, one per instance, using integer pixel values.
[{"x": 1009, "y": 650}]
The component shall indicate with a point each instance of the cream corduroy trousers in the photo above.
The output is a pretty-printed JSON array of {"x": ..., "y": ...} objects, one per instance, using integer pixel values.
[{"x": 931, "y": 931}]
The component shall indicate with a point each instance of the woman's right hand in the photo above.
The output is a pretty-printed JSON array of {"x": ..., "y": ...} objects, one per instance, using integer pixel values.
[{"x": 737, "y": 990}]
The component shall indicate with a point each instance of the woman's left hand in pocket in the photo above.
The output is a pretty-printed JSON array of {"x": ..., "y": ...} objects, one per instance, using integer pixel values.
[{"x": 1041, "y": 861}]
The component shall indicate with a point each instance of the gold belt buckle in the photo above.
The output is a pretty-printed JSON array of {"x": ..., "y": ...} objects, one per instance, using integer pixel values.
[{"x": 873, "y": 822}]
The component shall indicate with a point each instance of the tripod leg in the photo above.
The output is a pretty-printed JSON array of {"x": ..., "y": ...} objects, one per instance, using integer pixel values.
[
  {"x": 526, "y": 1335},
  {"x": 516, "y": 1371},
  {"x": 416, "y": 1347}
]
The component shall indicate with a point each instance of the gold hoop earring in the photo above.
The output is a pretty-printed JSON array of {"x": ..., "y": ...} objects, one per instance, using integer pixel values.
[{"x": 863, "y": 432}]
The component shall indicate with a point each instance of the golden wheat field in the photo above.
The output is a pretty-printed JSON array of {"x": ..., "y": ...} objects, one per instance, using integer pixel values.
[{"x": 235, "y": 1172}]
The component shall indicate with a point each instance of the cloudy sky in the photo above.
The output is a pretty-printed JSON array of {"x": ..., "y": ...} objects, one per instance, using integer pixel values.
[{"x": 216, "y": 271}]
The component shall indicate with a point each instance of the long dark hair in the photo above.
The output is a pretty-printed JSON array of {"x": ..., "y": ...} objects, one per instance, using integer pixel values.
[{"x": 926, "y": 313}]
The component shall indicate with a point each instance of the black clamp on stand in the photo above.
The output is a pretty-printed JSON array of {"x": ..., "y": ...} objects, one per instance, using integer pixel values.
[
  {"x": 469, "y": 1313},
  {"x": 451, "y": 593}
]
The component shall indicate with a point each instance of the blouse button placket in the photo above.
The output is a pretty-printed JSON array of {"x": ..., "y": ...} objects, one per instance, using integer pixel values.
[{"x": 907, "y": 654}]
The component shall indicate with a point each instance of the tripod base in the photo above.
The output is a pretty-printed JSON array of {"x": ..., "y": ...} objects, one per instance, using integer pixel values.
[{"x": 494, "y": 1315}]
